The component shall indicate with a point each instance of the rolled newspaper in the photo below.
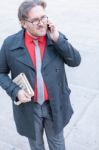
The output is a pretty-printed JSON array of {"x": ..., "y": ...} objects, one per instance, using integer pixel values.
[{"x": 22, "y": 81}]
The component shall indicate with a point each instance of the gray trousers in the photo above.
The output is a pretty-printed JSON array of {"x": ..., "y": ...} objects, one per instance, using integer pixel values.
[{"x": 43, "y": 121}]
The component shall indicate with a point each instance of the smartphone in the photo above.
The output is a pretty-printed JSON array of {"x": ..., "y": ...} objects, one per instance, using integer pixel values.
[{"x": 49, "y": 28}]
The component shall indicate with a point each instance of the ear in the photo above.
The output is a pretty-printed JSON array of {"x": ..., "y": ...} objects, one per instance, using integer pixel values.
[{"x": 23, "y": 24}]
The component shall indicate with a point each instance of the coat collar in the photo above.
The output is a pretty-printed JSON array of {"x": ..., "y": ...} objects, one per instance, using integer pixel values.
[
  {"x": 18, "y": 40},
  {"x": 17, "y": 43}
]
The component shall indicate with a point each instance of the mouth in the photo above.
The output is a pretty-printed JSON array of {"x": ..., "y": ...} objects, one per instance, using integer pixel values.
[{"x": 41, "y": 28}]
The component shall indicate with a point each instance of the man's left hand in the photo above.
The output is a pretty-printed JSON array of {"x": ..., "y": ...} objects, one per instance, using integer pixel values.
[{"x": 53, "y": 32}]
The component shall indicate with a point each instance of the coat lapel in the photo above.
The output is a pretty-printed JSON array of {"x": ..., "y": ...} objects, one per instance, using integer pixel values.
[
  {"x": 19, "y": 47},
  {"x": 49, "y": 53},
  {"x": 25, "y": 58}
]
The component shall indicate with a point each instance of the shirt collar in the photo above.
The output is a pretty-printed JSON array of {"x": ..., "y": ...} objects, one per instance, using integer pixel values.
[{"x": 30, "y": 38}]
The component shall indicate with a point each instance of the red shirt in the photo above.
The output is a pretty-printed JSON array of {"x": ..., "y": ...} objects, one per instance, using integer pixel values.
[{"x": 31, "y": 49}]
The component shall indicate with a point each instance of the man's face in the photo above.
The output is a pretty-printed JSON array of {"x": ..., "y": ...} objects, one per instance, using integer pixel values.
[{"x": 36, "y": 14}]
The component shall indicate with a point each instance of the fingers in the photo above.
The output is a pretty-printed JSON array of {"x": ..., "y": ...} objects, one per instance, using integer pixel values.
[
  {"x": 24, "y": 96},
  {"x": 27, "y": 95},
  {"x": 51, "y": 26}
]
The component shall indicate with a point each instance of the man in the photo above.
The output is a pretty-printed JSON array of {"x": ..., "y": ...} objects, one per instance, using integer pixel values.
[{"x": 40, "y": 51}]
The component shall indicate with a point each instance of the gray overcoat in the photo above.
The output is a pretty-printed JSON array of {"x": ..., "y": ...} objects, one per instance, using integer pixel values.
[{"x": 14, "y": 59}]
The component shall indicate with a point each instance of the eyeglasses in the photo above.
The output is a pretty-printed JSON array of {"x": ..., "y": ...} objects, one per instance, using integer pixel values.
[{"x": 43, "y": 19}]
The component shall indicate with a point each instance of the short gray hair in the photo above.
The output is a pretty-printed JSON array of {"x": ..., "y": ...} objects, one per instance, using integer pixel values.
[{"x": 26, "y": 6}]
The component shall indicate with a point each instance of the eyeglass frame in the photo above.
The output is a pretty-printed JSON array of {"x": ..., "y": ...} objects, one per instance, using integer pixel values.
[{"x": 37, "y": 19}]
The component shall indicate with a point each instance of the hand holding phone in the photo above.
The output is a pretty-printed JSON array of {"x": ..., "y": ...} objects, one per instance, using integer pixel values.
[
  {"x": 52, "y": 30},
  {"x": 50, "y": 27}
]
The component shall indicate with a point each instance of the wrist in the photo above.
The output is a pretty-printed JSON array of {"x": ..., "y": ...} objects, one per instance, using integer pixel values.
[{"x": 55, "y": 37}]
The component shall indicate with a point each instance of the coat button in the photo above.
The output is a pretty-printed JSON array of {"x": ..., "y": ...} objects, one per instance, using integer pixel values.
[
  {"x": 56, "y": 70},
  {"x": 59, "y": 83}
]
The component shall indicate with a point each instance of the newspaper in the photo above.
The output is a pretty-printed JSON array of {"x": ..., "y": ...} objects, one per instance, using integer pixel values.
[{"x": 22, "y": 81}]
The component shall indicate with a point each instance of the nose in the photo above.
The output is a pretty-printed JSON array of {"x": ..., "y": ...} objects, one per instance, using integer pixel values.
[{"x": 40, "y": 22}]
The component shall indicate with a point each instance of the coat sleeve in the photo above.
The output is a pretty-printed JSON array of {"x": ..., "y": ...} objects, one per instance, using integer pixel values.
[
  {"x": 69, "y": 54},
  {"x": 5, "y": 81}
]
